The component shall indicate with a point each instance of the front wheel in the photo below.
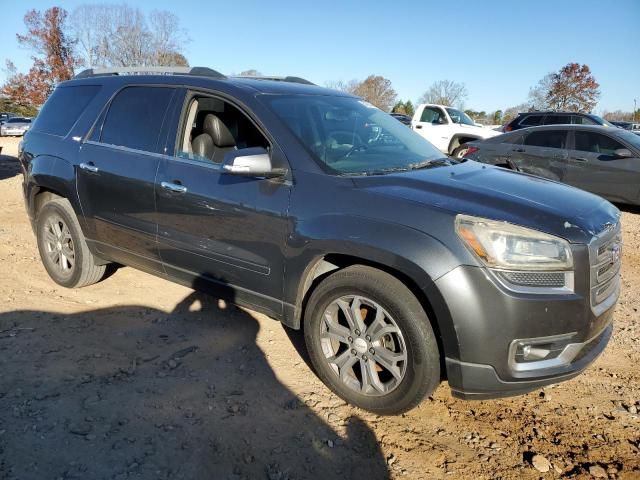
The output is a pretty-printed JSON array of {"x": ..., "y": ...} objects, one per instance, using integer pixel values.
[{"x": 370, "y": 341}]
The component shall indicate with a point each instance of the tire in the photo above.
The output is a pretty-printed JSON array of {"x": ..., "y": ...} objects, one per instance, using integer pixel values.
[
  {"x": 62, "y": 246},
  {"x": 341, "y": 355},
  {"x": 459, "y": 152}
]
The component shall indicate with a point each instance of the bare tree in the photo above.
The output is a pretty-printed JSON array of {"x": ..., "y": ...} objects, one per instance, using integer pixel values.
[
  {"x": 512, "y": 112},
  {"x": 349, "y": 87},
  {"x": 119, "y": 35},
  {"x": 539, "y": 95},
  {"x": 252, "y": 72},
  {"x": 446, "y": 92}
]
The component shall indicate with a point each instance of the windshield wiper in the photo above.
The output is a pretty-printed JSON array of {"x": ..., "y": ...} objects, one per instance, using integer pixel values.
[{"x": 434, "y": 162}]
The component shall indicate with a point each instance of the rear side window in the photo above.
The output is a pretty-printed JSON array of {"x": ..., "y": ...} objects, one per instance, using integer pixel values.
[
  {"x": 531, "y": 120},
  {"x": 63, "y": 108},
  {"x": 557, "y": 119},
  {"x": 546, "y": 138},
  {"x": 135, "y": 117},
  {"x": 596, "y": 143}
]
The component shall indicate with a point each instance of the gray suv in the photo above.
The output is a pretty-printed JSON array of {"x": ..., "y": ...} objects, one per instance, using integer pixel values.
[{"x": 402, "y": 267}]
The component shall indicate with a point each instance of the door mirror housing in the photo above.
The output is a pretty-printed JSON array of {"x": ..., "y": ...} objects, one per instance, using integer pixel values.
[
  {"x": 623, "y": 153},
  {"x": 250, "y": 162}
]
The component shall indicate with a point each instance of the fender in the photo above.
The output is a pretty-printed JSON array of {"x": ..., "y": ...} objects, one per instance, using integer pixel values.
[
  {"x": 410, "y": 254},
  {"x": 54, "y": 174}
]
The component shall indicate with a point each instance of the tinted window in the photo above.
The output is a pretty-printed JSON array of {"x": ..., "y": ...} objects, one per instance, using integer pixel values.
[
  {"x": 135, "y": 117},
  {"x": 432, "y": 115},
  {"x": 596, "y": 143},
  {"x": 557, "y": 119},
  {"x": 546, "y": 138},
  {"x": 580, "y": 120},
  {"x": 63, "y": 109},
  {"x": 531, "y": 120},
  {"x": 19, "y": 120}
]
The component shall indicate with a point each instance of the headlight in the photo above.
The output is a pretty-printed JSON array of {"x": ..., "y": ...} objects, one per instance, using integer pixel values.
[{"x": 505, "y": 246}]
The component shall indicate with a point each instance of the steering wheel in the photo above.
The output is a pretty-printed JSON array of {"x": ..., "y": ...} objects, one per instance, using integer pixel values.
[{"x": 339, "y": 136}]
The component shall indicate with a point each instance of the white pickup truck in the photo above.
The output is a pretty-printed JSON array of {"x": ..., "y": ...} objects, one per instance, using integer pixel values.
[{"x": 448, "y": 128}]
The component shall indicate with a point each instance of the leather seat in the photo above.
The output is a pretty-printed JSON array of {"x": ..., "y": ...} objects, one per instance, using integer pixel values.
[{"x": 215, "y": 140}]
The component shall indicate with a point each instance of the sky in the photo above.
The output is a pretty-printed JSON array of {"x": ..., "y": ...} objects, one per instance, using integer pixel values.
[{"x": 498, "y": 49}]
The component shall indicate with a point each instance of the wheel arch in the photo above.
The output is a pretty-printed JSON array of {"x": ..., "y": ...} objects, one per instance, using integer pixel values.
[
  {"x": 412, "y": 276},
  {"x": 461, "y": 139}
]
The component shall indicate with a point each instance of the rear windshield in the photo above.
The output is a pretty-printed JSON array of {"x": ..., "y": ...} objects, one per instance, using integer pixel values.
[
  {"x": 531, "y": 120},
  {"x": 63, "y": 108},
  {"x": 19, "y": 120}
]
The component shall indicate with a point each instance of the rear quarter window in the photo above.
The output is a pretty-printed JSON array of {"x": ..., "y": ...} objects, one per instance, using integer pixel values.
[
  {"x": 63, "y": 108},
  {"x": 531, "y": 120}
]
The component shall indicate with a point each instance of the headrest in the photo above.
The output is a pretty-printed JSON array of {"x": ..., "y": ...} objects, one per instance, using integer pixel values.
[{"x": 219, "y": 132}]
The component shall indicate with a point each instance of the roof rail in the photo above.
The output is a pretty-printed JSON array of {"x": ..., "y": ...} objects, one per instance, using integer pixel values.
[
  {"x": 197, "y": 71},
  {"x": 277, "y": 79}
]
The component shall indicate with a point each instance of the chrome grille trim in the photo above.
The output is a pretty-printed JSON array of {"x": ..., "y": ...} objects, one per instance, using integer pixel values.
[{"x": 605, "y": 252}]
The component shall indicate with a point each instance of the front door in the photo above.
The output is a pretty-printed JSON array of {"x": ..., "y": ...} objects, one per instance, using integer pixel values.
[
  {"x": 116, "y": 176},
  {"x": 593, "y": 166},
  {"x": 217, "y": 231},
  {"x": 434, "y": 126}
]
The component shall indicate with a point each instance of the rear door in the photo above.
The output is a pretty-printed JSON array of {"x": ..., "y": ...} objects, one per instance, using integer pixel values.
[
  {"x": 543, "y": 153},
  {"x": 116, "y": 176},
  {"x": 594, "y": 167}
]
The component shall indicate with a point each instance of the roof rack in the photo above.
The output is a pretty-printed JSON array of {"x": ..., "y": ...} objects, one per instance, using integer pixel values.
[
  {"x": 197, "y": 71},
  {"x": 277, "y": 79}
]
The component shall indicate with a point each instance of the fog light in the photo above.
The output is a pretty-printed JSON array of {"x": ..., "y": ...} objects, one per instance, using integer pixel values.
[{"x": 530, "y": 353}]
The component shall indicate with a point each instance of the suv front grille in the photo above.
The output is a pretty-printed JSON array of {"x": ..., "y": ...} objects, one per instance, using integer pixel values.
[{"x": 605, "y": 253}]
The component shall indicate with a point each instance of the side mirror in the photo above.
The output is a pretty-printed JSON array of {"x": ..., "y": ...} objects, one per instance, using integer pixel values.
[
  {"x": 250, "y": 162},
  {"x": 623, "y": 153}
]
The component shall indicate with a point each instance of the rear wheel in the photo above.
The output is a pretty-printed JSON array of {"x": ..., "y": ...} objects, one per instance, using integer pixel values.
[
  {"x": 62, "y": 246},
  {"x": 370, "y": 340}
]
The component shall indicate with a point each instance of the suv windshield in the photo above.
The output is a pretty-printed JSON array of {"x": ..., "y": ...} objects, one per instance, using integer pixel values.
[
  {"x": 459, "y": 117},
  {"x": 351, "y": 137}
]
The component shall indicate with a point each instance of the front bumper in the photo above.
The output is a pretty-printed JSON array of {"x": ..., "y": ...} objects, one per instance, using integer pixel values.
[{"x": 489, "y": 320}]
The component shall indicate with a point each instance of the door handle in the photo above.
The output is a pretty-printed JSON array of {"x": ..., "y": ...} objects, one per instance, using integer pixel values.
[
  {"x": 173, "y": 187},
  {"x": 519, "y": 150},
  {"x": 418, "y": 126},
  {"x": 89, "y": 167},
  {"x": 579, "y": 159}
]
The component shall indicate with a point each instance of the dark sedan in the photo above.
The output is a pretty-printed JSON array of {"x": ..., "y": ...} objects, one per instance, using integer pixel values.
[{"x": 598, "y": 159}]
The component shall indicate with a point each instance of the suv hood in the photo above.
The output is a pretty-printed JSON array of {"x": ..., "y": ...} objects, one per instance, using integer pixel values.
[{"x": 491, "y": 192}]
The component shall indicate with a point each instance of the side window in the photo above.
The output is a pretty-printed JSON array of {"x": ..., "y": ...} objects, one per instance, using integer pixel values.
[
  {"x": 531, "y": 120},
  {"x": 63, "y": 108},
  {"x": 432, "y": 115},
  {"x": 212, "y": 127},
  {"x": 557, "y": 120},
  {"x": 547, "y": 138},
  {"x": 596, "y": 143},
  {"x": 135, "y": 117},
  {"x": 580, "y": 120}
]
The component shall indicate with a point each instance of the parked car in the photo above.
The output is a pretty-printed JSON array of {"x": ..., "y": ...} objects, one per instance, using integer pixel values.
[
  {"x": 447, "y": 128},
  {"x": 534, "y": 119},
  {"x": 406, "y": 119},
  {"x": 605, "y": 161},
  {"x": 279, "y": 196},
  {"x": 4, "y": 116},
  {"x": 15, "y": 126},
  {"x": 625, "y": 125}
]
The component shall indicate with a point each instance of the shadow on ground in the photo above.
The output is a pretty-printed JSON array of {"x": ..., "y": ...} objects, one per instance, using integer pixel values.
[
  {"x": 9, "y": 167},
  {"x": 133, "y": 392}
]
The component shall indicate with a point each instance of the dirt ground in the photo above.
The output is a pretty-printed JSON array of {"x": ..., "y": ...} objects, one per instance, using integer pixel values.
[{"x": 136, "y": 377}]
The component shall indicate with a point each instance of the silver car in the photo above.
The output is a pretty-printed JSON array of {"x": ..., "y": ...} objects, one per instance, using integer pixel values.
[{"x": 16, "y": 126}]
